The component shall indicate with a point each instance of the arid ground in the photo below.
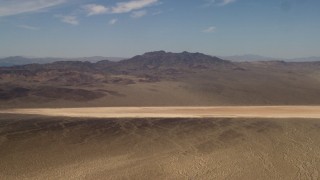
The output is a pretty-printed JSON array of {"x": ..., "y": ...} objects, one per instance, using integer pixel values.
[{"x": 44, "y": 147}]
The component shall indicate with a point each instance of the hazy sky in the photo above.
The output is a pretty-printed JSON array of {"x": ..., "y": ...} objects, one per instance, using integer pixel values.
[{"x": 73, "y": 28}]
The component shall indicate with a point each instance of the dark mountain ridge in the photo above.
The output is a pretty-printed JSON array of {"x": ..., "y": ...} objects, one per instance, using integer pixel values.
[
  {"x": 162, "y": 58},
  {"x": 150, "y": 60}
]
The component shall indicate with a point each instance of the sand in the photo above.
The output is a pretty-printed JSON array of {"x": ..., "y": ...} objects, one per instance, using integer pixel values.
[
  {"x": 178, "y": 112},
  {"x": 42, "y": 147},
  {"x": 237, "y": 142}
]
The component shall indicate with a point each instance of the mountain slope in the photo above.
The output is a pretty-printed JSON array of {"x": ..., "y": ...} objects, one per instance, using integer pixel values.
[{"x": 164, "y": 59}]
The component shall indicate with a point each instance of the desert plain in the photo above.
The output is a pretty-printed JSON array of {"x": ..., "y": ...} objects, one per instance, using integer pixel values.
[{"x": 186, "y": 143}]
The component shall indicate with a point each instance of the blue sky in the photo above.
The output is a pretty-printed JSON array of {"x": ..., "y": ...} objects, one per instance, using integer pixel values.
[{"x": 123, "y": 28}]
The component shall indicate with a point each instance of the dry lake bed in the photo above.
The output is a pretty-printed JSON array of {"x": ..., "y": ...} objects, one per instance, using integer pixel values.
[{"x": 179, "y": 143}]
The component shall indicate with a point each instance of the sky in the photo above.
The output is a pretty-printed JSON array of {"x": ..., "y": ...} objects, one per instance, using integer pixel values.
[{"x": 124, "y": 28}]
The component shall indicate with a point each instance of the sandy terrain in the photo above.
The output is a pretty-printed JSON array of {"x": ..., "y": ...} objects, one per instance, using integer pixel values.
[
  {"x": 42, "y": 147},
  {"x": 178, "y": 112}
]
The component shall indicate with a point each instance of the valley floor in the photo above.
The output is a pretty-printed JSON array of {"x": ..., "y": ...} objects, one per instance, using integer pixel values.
[{"x": 42, "y": 147}]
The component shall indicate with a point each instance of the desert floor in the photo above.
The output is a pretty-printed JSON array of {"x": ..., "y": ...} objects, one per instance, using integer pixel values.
[{"x": 43, "y": 147}]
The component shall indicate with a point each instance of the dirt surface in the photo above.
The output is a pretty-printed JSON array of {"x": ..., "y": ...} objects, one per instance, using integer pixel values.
[
  {"x": 178, "y": 112},
  {"x": 41, "y": 147}
]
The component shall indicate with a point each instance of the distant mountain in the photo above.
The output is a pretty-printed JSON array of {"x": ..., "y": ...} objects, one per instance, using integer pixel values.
[
  {"x": 95, "y": 59},
  {"x": 21, "y": 60},
  {"x": 152, "y": 59},
  {"x": 252, "y": 58},
  {"x": 248, "y": 58},
  {"x": 307, "y": 59},
  {"x": 162, "y": 59}
]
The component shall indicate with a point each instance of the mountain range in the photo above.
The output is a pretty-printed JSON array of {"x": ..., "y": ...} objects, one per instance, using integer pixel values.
[
  {"x": 252, "y": 57},
  {"x": 22, "y": 60},
  {"x": 160, "y": 79}
]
